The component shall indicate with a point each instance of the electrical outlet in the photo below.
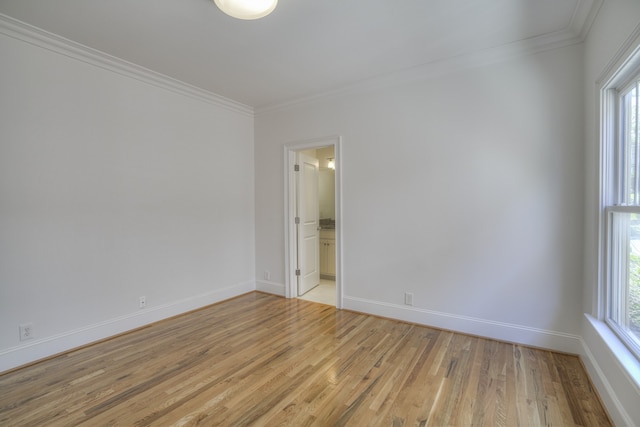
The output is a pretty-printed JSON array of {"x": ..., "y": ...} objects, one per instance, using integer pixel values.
[
  {"x": 26, "y": 331},
  {"x": 267, "y": 275},
  {"x": 408, "y": 298},
  {"x": 142, "y": 302}
]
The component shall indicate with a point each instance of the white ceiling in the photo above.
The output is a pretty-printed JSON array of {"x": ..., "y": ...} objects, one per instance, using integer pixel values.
[{"x": 305, "y": 47}]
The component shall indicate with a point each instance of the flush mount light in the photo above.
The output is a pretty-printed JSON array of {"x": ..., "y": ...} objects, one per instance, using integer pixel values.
[{"x": 246, "y": 9}]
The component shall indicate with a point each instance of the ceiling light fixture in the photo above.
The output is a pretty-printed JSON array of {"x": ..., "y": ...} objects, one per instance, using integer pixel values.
[{"x": 246, "y": 9}]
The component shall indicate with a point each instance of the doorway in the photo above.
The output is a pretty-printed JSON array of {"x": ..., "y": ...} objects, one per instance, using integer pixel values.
[{"x": 313, "y": 231}]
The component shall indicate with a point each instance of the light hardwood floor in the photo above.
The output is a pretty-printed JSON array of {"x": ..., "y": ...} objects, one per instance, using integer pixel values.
[{"x": 265, "y": 360}]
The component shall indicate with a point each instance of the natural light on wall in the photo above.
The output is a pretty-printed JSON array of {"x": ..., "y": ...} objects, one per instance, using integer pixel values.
[{"x": 247, "y": 9}]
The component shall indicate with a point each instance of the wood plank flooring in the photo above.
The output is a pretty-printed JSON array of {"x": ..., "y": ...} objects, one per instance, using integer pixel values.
[{"x": 263, "y": 360}]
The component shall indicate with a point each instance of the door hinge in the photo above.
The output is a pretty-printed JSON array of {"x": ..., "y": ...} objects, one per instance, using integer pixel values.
[
  {"x": 297, "y": 272},
  {"x": 297, "y": 220},
  {"x": 296, "y": 168}
]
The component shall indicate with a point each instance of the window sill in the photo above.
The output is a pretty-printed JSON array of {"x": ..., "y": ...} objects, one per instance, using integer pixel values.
[{"x": 627, "y": 360}]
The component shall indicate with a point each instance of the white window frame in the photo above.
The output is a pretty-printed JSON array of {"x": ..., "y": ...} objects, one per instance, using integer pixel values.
[
  {"x": 615, "y": 273},
  {"x": 611, "y": 188}
]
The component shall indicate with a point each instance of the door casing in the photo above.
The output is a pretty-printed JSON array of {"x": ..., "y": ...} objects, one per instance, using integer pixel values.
[{"x": 290, "y": 150}]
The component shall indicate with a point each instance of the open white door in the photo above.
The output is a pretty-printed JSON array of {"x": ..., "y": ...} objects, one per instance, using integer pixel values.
[{"x": 308, "y": 233}]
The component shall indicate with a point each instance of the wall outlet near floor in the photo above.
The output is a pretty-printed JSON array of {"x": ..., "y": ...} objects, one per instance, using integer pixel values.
[
  {"x": 142, "y": 302},
  {"x": 408, "y": 298},
  {"x": 267, "y": 275},
  {"x": 26, "y": 331}
]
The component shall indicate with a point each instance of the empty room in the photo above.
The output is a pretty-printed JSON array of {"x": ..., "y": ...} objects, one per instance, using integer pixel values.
[{"x": 300, "y": 212}]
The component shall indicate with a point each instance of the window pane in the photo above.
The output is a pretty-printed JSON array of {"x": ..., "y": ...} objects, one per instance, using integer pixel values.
[
  {"x": 629, "y": 149},
  {"x": 624, "y": 298}
]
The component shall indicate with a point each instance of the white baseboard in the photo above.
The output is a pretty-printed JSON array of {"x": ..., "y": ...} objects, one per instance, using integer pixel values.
[
  {"x": 49, "y": 346},
  {"x": 552, "y": 340},
  {"x": 271, "y": 287}
]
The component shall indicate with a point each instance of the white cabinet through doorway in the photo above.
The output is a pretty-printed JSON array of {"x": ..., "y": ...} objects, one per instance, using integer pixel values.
[{"x": 328, "y": 254}]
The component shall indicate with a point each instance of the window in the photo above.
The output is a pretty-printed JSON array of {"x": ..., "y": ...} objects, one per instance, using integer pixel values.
[{"x": 621, "y": 196}]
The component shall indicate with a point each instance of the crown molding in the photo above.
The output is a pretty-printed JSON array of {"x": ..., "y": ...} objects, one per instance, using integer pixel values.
[
  {"x": 581, "y": 21},
  {"x": 439, "y": 68},
  {"x": 43, "y": 39},
  {"x": 583, "y": 17}
]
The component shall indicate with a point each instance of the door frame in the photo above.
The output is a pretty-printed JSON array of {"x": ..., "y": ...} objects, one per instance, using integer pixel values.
[{"x": 290, "y": 150}]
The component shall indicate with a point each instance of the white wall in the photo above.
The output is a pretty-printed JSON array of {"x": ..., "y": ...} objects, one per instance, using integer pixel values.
[
  {"x": 112, "y": 188},
  {"x": 614, "y": 25},
  {"x": 465, "y": 190}
]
